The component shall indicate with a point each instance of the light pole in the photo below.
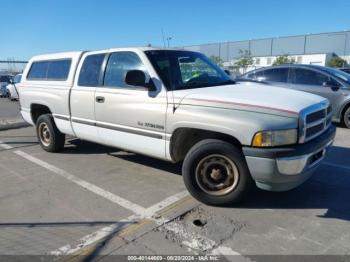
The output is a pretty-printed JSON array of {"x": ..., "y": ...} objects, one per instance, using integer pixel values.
[{"x": 168, "y": 40}]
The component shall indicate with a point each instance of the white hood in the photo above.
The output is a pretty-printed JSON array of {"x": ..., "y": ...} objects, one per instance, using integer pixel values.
[{"x": 251, "y": 97}]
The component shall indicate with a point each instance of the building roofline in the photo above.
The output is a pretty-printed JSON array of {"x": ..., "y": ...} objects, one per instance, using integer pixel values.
[{"x": 268, "y": 38}]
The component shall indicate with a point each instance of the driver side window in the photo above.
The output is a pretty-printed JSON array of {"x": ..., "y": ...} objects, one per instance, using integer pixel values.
[
  {"x": 194, "y": 69},
  {"x": 118, "y": 65}
]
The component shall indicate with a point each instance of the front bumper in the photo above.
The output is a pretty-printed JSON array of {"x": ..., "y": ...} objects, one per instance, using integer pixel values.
[{"x": 281, "y": 169}]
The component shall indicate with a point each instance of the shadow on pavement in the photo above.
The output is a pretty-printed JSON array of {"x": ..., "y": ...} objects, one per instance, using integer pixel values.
[
  {"x": 328, "y": 188},
  {"x": 77, "y": 146}
]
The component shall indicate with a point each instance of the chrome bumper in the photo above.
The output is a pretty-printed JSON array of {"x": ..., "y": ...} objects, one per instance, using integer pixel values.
[{"x": 298, "y": 164}]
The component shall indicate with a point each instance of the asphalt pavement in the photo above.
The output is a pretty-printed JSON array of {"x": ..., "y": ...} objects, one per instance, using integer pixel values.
[
  {"x": 9, "y": 109},
  {"x": 90, "y": 200}
]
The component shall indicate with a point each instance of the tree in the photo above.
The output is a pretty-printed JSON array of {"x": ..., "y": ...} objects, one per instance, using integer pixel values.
[
  {"x": 216, "y": 59},
  {"x": 245, "y": 59},
  {"x": 336, "y": 62},
  {"x": 283, "y": 59}
]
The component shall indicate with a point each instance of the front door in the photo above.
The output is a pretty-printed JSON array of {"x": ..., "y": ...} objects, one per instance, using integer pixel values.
[{"x": 130, "y": 117}]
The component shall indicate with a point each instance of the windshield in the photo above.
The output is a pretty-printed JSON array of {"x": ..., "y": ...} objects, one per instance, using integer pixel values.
[
  {"x": 185, "y": 69},
  {"x": 338, "y": 73}
]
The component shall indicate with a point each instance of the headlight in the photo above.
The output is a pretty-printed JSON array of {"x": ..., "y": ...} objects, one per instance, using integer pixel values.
[{"x": 275, "y": 138}]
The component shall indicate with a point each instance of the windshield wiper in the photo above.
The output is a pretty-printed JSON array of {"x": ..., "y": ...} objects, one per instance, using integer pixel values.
[
  {"x": 194, "y": 85},
  {"x": 200, "y": 84},
  {"x": 227, "y": 82}
]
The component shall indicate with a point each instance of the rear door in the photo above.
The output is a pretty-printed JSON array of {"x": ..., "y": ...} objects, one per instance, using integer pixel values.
[
  {"x": 82, "y": 98},
  {"x": 314, "y": 82}
]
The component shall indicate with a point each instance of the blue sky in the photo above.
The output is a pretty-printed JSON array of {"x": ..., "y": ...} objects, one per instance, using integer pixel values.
[{"x": 35, "y": 27}]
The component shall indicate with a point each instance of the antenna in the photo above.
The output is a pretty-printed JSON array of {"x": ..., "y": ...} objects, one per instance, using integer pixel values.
[{"x": 163, "y": 38}]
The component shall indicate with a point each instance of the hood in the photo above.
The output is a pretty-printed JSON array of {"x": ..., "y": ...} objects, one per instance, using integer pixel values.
[{"x": 249, "y": 97}]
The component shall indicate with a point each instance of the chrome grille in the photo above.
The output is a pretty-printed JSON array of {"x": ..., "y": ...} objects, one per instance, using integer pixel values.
[{"x": 314, "y": 121}]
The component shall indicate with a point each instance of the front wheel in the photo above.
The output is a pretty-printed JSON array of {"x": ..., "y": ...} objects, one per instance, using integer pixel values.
[
  {"x": 346, "y": 118},
  {"x": 50, "y": 138},
  {"x": 215, "y": 173}
]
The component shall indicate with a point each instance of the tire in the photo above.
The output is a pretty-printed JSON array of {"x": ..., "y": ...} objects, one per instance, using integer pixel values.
[
  {"x": 209, "y": 165},
  {"x": 50, "y": 138},
  {"x": 346, "y": 118}
]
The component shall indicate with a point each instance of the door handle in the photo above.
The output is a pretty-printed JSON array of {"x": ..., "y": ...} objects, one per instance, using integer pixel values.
[{"x": 100, "y": 99}]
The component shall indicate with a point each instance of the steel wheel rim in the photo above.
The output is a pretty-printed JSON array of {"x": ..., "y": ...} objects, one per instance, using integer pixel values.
[
  {"x": 44, "y": 134},
  {"x": 217, "y": 175}
]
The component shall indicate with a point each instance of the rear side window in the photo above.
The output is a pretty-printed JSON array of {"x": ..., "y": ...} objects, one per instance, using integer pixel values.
[
  {"x": 90, "y": 70},
  {"x": 58, "y": 70},
  {"x": 50, "y": 70},
  {"x": 309, "y": 77},
  {"x": 276, "y": 75}
]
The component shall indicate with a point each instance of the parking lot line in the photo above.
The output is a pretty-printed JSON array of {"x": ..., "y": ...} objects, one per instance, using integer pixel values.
[
  {"x": 92, "y": 238},
  {"x": 336, "y": 165},
  {"x": 137, "y": 209},
  {"x": 106, "y": 231},
  {"x": 191, "y": 240},
  {"x": 91, "y": 187},
  {"x": 166, "y": 202}
]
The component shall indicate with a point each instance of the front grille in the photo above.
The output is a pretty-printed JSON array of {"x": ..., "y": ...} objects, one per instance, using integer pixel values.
[
  {"x": 311, "y": 131},
  {"x": 315, "y": 116},
  {"x": 314, "y": 121}
]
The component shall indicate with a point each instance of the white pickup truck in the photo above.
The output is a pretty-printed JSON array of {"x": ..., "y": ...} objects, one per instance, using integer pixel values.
[{"x": 178, "y": 106}]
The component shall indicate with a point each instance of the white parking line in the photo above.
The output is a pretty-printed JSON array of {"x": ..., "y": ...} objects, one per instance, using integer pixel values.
[
  {"x": 91, "y": 187},
  {"x": 93, "y": 237},
  {"x": 104, "y": 232},
  {"x": 166, "y": 202},
  {"x": 193, "y": 241},
  {"x": 336, "y": 165}
]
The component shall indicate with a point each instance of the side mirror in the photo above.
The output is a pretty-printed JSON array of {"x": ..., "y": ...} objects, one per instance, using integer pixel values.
[
  {"x": 12, "y": 82},
  {"x": 331, "y": 85},
  {"x": 227, "y": 72},
  {"x": 136, "y": 78}
]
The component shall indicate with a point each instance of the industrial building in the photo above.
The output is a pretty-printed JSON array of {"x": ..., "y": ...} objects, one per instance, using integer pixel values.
[
  {"x": 304, "y": 49},
  {"x": 12, "y": 66}
]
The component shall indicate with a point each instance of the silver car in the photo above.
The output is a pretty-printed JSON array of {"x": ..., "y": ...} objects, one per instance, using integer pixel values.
[
  {"x": 328, "y": 82},
  {"x": 11, "y": 88},
  {"x": 4, "y": 81}
]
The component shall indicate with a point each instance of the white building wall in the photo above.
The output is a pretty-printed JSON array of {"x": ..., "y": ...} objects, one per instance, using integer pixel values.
[{"x": 314, "y": 59}]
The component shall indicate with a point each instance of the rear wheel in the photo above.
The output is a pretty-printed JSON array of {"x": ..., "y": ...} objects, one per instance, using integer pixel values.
[
  {"x": 50, "y": 138},
  {"x": 215, "y": 173},
  {"x": 346, "y": 118}
]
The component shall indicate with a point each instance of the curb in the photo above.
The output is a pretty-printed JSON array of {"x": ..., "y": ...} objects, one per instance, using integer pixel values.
[{"x": 12, "y": 124}]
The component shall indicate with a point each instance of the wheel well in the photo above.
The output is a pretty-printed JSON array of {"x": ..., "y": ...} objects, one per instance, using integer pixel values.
[
  {"x": 343, "y": 111},
  {"x": 38, "y": 110},
  {"x": 183, "y": 139}
]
